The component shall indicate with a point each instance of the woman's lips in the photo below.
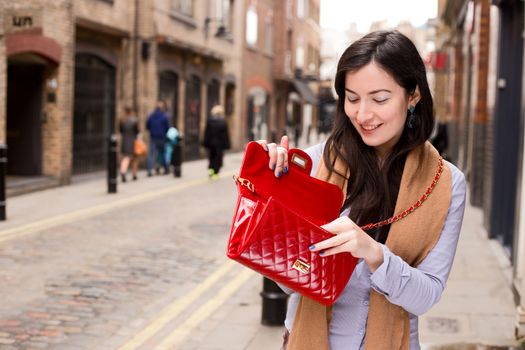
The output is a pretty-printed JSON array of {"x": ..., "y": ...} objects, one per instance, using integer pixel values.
[{"x": 368, "y": 129}]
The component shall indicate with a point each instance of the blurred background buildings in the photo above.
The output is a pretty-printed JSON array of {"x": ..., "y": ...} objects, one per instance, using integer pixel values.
[
  {"x": 68, "y": 68},
  {"x": 478, "y": 67}
]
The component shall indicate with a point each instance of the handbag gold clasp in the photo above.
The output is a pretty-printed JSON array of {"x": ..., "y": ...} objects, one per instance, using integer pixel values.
[
  {"x": 301, "y": 266},
  {"x": 298, "y": 160},
  {"x": 244, "y": 182}
]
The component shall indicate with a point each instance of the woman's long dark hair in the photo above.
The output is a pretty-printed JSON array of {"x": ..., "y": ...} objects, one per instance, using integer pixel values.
[{"x": 373, "y": 186}]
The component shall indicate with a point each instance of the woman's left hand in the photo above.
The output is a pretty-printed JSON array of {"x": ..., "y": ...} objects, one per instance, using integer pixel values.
[{"x": 349, "y": 237}]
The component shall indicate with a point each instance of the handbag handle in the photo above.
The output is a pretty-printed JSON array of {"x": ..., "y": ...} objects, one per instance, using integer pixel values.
[{"x": 299, "y": 160}]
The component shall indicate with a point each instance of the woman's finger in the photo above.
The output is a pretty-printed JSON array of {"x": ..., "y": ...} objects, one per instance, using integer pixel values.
[
  {"x": 331, "y": 242},
  {"x": 272, "y": 152},
  {"x": 341, "y": 224},
  {"x": 284, "y": 142},
  {"x": 282, "y": 161},
  {"x": 336, "y": 250}
]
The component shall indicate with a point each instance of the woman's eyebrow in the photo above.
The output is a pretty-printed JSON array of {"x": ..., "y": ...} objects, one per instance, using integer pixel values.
[{"x": 371, "y": 92}]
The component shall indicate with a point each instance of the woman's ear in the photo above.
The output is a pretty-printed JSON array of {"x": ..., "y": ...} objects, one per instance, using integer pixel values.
[{"x": 414, "y": 97}]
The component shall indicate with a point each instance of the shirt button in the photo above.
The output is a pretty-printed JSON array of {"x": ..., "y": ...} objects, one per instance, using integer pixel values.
[
  {"x": 361, "y": 331},
  {"x": 365, "y": 302}
]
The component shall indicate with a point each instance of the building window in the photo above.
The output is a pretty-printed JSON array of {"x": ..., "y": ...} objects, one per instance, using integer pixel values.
[
  {"x": 311, "y": 59},
  {"x": 229, "y": 100},
  {"x": 184, "y": 7},
  {"x": 288, "y": 54},
  {"x": 251, "y": 26},
  {"x": 301, "y": 8},
  {"x": 268, "y": 40},
  {"x": 299, "y": 54},
  {"x": 228, "y": 14},
  {"x": 289, "y": 8},
  {"x": 288, "y": 62},
  {"x": 314, "y": 13},
  {"x": 224, "y": 15}
]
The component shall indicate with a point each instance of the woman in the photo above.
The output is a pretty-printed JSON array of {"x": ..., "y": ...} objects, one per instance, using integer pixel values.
[
  {"x": 129, "y": 130},
  {"x": 378, "y": 154}
]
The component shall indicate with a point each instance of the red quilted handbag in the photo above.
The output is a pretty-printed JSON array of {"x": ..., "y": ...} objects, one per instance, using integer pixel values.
[{"x": 277, "y": 219}]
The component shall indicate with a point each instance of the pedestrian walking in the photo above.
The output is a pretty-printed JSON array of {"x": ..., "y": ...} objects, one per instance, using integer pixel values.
[
  {"x": 172, "y": 139},
  {"x": 157, "y": 125},
  {"x": 378, "y": 154},
  {"x": 216, "y": 140},
  {"x": 129, "y": 131}
]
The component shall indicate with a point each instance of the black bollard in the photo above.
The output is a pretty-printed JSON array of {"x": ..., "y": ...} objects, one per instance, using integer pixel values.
[
  {"x": 176, "y": 158},
  {"x": 112, "y": 164},
  {"x": 273, "y": 304},
  {"x": 3, "y": 167}
]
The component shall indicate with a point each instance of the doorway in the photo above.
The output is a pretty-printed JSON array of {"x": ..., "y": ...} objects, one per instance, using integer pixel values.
[
  {"x": 193, "y": 118},
  {"x": 506, "y": 133},
  {"x": 94, "y": 112},
  {"x": 169, "y": 93},
  {"x": 24, "y": 119}
]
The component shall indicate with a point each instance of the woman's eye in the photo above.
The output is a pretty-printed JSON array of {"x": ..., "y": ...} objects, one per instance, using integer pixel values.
[
  {"x": 381, "y": 100},
  {"x": 352, "y": 99}
]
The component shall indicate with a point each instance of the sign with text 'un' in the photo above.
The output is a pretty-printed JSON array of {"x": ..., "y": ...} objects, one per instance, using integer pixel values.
[{"x": 20, "y": 19}]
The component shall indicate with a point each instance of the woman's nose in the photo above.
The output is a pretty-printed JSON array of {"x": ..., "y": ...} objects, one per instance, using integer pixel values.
[{"x": 363, "y": 113}]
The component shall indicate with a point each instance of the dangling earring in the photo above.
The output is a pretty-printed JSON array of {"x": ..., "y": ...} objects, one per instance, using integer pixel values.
[{"x": 411, "y": 120}]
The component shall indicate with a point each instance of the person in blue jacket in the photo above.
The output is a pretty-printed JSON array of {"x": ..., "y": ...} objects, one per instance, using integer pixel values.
[{"x": 157, "y": 125}]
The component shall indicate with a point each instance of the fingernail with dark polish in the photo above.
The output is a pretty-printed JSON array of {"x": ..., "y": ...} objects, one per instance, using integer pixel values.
[
  {"x": 311, "y": 247},
  {"x": 273, "y": 167},
  {"x": 279, "y": 174},
  {"x": 285, "y": 169},
  {"x": 321, "y": 253}
]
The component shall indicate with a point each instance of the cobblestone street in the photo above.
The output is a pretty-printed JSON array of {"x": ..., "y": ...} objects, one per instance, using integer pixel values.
[{"x": 92, "y": 283}]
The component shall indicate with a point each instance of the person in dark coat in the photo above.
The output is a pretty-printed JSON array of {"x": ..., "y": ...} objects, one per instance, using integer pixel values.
[
  {"x": 216, "y": 140},
  {"x": 129, "y": 131},
  {"x": 157, "y": 125}
]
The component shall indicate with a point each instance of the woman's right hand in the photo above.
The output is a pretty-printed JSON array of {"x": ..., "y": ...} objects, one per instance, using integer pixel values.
[{"x": 278, "y": 155}]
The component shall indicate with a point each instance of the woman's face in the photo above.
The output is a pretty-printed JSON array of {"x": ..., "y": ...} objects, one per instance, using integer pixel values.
[{"x": 377, "y": 106}]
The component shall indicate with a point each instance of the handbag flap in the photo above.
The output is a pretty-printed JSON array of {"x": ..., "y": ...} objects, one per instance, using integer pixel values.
[{"x": 312, "y": 198}]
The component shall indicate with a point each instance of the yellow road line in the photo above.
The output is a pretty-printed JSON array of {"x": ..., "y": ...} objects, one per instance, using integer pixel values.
[
  {"x": 175, "y": 308},
  {"x": 181, "y": 332},
  {"x": 81, "y": 214}
]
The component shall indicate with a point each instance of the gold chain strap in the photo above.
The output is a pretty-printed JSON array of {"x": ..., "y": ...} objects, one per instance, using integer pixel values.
[{"x": 413, "y": 207}]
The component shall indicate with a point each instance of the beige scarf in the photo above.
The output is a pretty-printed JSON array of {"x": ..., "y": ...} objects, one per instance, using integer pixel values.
[{"x": 411, "y": 238}]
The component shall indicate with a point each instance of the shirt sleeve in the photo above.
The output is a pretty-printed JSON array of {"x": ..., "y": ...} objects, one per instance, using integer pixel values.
[{"x": 417, "y": 289}]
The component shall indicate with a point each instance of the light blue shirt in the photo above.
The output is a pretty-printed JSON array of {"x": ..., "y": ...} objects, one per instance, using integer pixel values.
[{"x": 416, "y": 289}]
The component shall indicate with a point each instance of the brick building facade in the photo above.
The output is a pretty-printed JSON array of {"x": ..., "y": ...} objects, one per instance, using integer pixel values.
[
  {"x": 482, "y": 89},
  {"x": 297, "y": 66},
  {"x": 36, "y": 60},
  {"x": 93, "y": 57},
  {"x": 260, "y": 59}
]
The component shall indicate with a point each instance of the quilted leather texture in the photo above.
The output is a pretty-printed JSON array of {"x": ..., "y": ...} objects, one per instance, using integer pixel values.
[
  {"x": 272, "y": 229},
  {"x": 280, "y": 239}
]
